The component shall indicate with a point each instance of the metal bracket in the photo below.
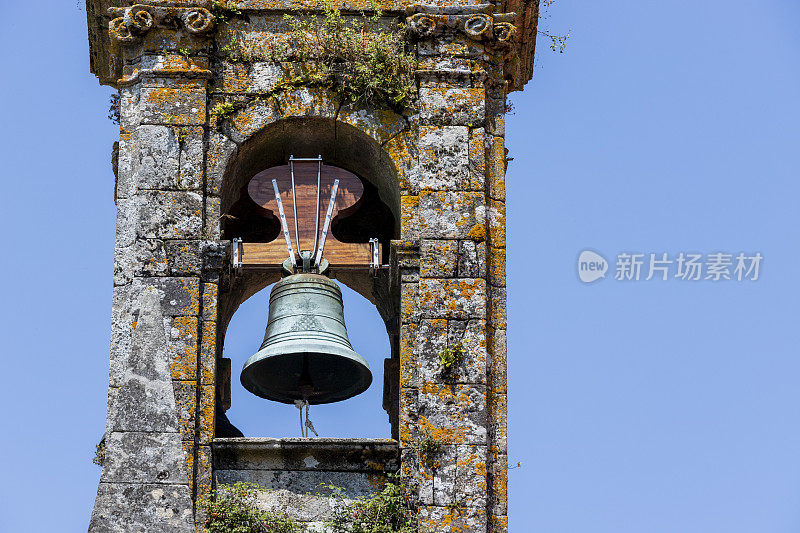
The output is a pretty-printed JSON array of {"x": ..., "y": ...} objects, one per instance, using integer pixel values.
[
  {"x": 374, "y": 257},
  {"x": 236, "y": 255}
]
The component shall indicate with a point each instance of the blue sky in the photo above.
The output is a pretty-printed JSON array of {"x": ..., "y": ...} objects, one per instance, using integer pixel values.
[{"x": 634, "y": 406}]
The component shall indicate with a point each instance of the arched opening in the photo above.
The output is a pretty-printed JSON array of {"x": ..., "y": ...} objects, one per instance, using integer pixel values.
[
  {"x": 358, "y": 416},
  {"x": 366, "y": 209}
]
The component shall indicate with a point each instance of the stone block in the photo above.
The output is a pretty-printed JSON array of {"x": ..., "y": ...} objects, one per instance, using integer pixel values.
[
  {"x": 207, "y": 413},
  {"x": 471, "y": 259},
  {"x": 205, "y": 474},
  {"x": 246, "y": 121},
  {"x": 477, "y": 159},
  {"x": 255, "y": 77},
  {"x": 497, "y": 307},
  {"x": 497, "y": 168},
  {"x": 431, "y": 340},
  {"x": 470, "y": 487},
  {"x": 498, "y": 495},
  {"x": 496, "y": 116},
  {"x": 497, "y": 224},
  {"x": 409, "y": 218},
  {"x": 182, "y": 345},
  {"x": 497, "y": 403},
  {"x": 409, "y": 365},
  {"x": 186, "y": 403},
  {"x": 453, "y": 414},
  {"x": 156, "y": 158},
  {"x": 449, "y": 214},
  {"x": 409, "y": 416},
  {"x": 452, "y": 106},
  {"x": 127, "y": 221},
  {"x": 125, "y": 184},
  {"x": 208, "y": 353},
  {"x": 182, "y": 258},
  {"x": 145, "y": 400},
  {"x": 209, "y": 301},
  {"x": 497, "y": 368},
  {"x": 192, "y": 158},
  {"x": 135, "y": 457},
  {"x": 444, "y": 158},
  {"x": 168, "y": 215},
  {"x": 146, "y": 406},
  {"x": 497, "y": 267},
  {"x": 435, "y": 519},
  {"x": 499, "y": 524},
  {"x": 175, "y": 104},
  {"x": 180, "y": 296},
  {"x": 126, "y": 507},
  {"x": 452, "y": 298},
  {"x": 130, "y": 115},
  {"x": 472, "y": 337},
  {"x": 438, "y": 259},
  {"x": 212, "y": 228},
  {"x": 437, "y": 477},
  {"x": 408, "y": 302},
  {"x": 219, "y": 153},
  {"x": 455, "y": 45},
  {"x": 156, "y": 257}
]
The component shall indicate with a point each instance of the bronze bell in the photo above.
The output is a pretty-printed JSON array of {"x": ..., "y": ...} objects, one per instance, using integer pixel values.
[{"x": 306, "y": 354}]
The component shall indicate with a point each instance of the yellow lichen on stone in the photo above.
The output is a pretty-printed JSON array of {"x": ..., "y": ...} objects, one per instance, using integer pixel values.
[
  {"x": 497, "y": 266},
  {"x": 477, "y": 233},
  {"x": 184, "y": 360}
]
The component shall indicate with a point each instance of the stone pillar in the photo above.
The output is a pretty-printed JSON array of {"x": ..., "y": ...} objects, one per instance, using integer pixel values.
[
  {"x": 163, "y": 350},
  {"x": 454, "y": 217}
]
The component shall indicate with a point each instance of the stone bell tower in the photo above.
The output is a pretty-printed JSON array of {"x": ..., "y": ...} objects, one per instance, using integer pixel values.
[{"x": 208, "y": 101}]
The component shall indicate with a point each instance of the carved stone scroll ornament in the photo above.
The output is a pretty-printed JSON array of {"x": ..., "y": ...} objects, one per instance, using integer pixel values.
[
  {"x": 131, "y": 23},
  {"x": 491, "y": 28}
]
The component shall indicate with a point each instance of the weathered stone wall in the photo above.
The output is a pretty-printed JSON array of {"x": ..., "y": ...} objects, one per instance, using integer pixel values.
[
  {"x": 440, "y": 164},
  {"x": 297, "y": 474}
]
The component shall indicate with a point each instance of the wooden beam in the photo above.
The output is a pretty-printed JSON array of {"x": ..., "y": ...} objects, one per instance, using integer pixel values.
[{"x": 341, "y": 255}]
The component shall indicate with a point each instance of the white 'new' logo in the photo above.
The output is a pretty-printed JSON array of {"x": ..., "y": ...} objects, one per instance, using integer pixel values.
[{"x": 591, "y": 266}]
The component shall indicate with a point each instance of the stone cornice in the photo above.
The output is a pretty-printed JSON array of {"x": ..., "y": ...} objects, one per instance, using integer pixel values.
[
  {"x": 492, "y": 28},
  {"x": 128, "y": 24},
  {"x": 518, "y": 44}
]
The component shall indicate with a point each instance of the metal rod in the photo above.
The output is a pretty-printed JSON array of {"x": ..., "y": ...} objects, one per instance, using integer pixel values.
[
  {"x": 316, "y": 213},
  {"x": 294, "y": 203},
  {"x": 327, "y": 224},
  {"x": 284, "y": 224}
]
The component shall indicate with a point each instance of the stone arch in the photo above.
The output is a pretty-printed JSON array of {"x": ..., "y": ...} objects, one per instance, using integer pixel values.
[
  {"x": 340, "y": 144},
  {"x": 348, "y": 143}
]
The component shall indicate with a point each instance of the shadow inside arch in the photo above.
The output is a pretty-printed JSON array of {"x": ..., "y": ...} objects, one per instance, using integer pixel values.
[{"x": 338, "y": 143}]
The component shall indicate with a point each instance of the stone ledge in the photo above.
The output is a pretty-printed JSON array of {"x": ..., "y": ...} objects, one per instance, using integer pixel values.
[{"x": 298, "y": 454}]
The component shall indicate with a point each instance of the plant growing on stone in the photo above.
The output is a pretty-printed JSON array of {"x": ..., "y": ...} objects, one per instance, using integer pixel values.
[
  {"x": 113, "y": 108},
  {"x": 234, "y": 510},
  {"x": 393, "y": 510},
  {"x": 100, "y": 452},
  {"x": 223, "y": 10},
  {"x": 451, "y": 356},
  {"x": 223, "y": 110},
  {"x": 558, "y": 42},
  {"x": 353, "y": 56},
  {"x": 428, "y": 449}
]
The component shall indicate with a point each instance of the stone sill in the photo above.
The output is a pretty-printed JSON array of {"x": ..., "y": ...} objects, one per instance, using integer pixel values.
[{"x": 300, "y": 454}]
